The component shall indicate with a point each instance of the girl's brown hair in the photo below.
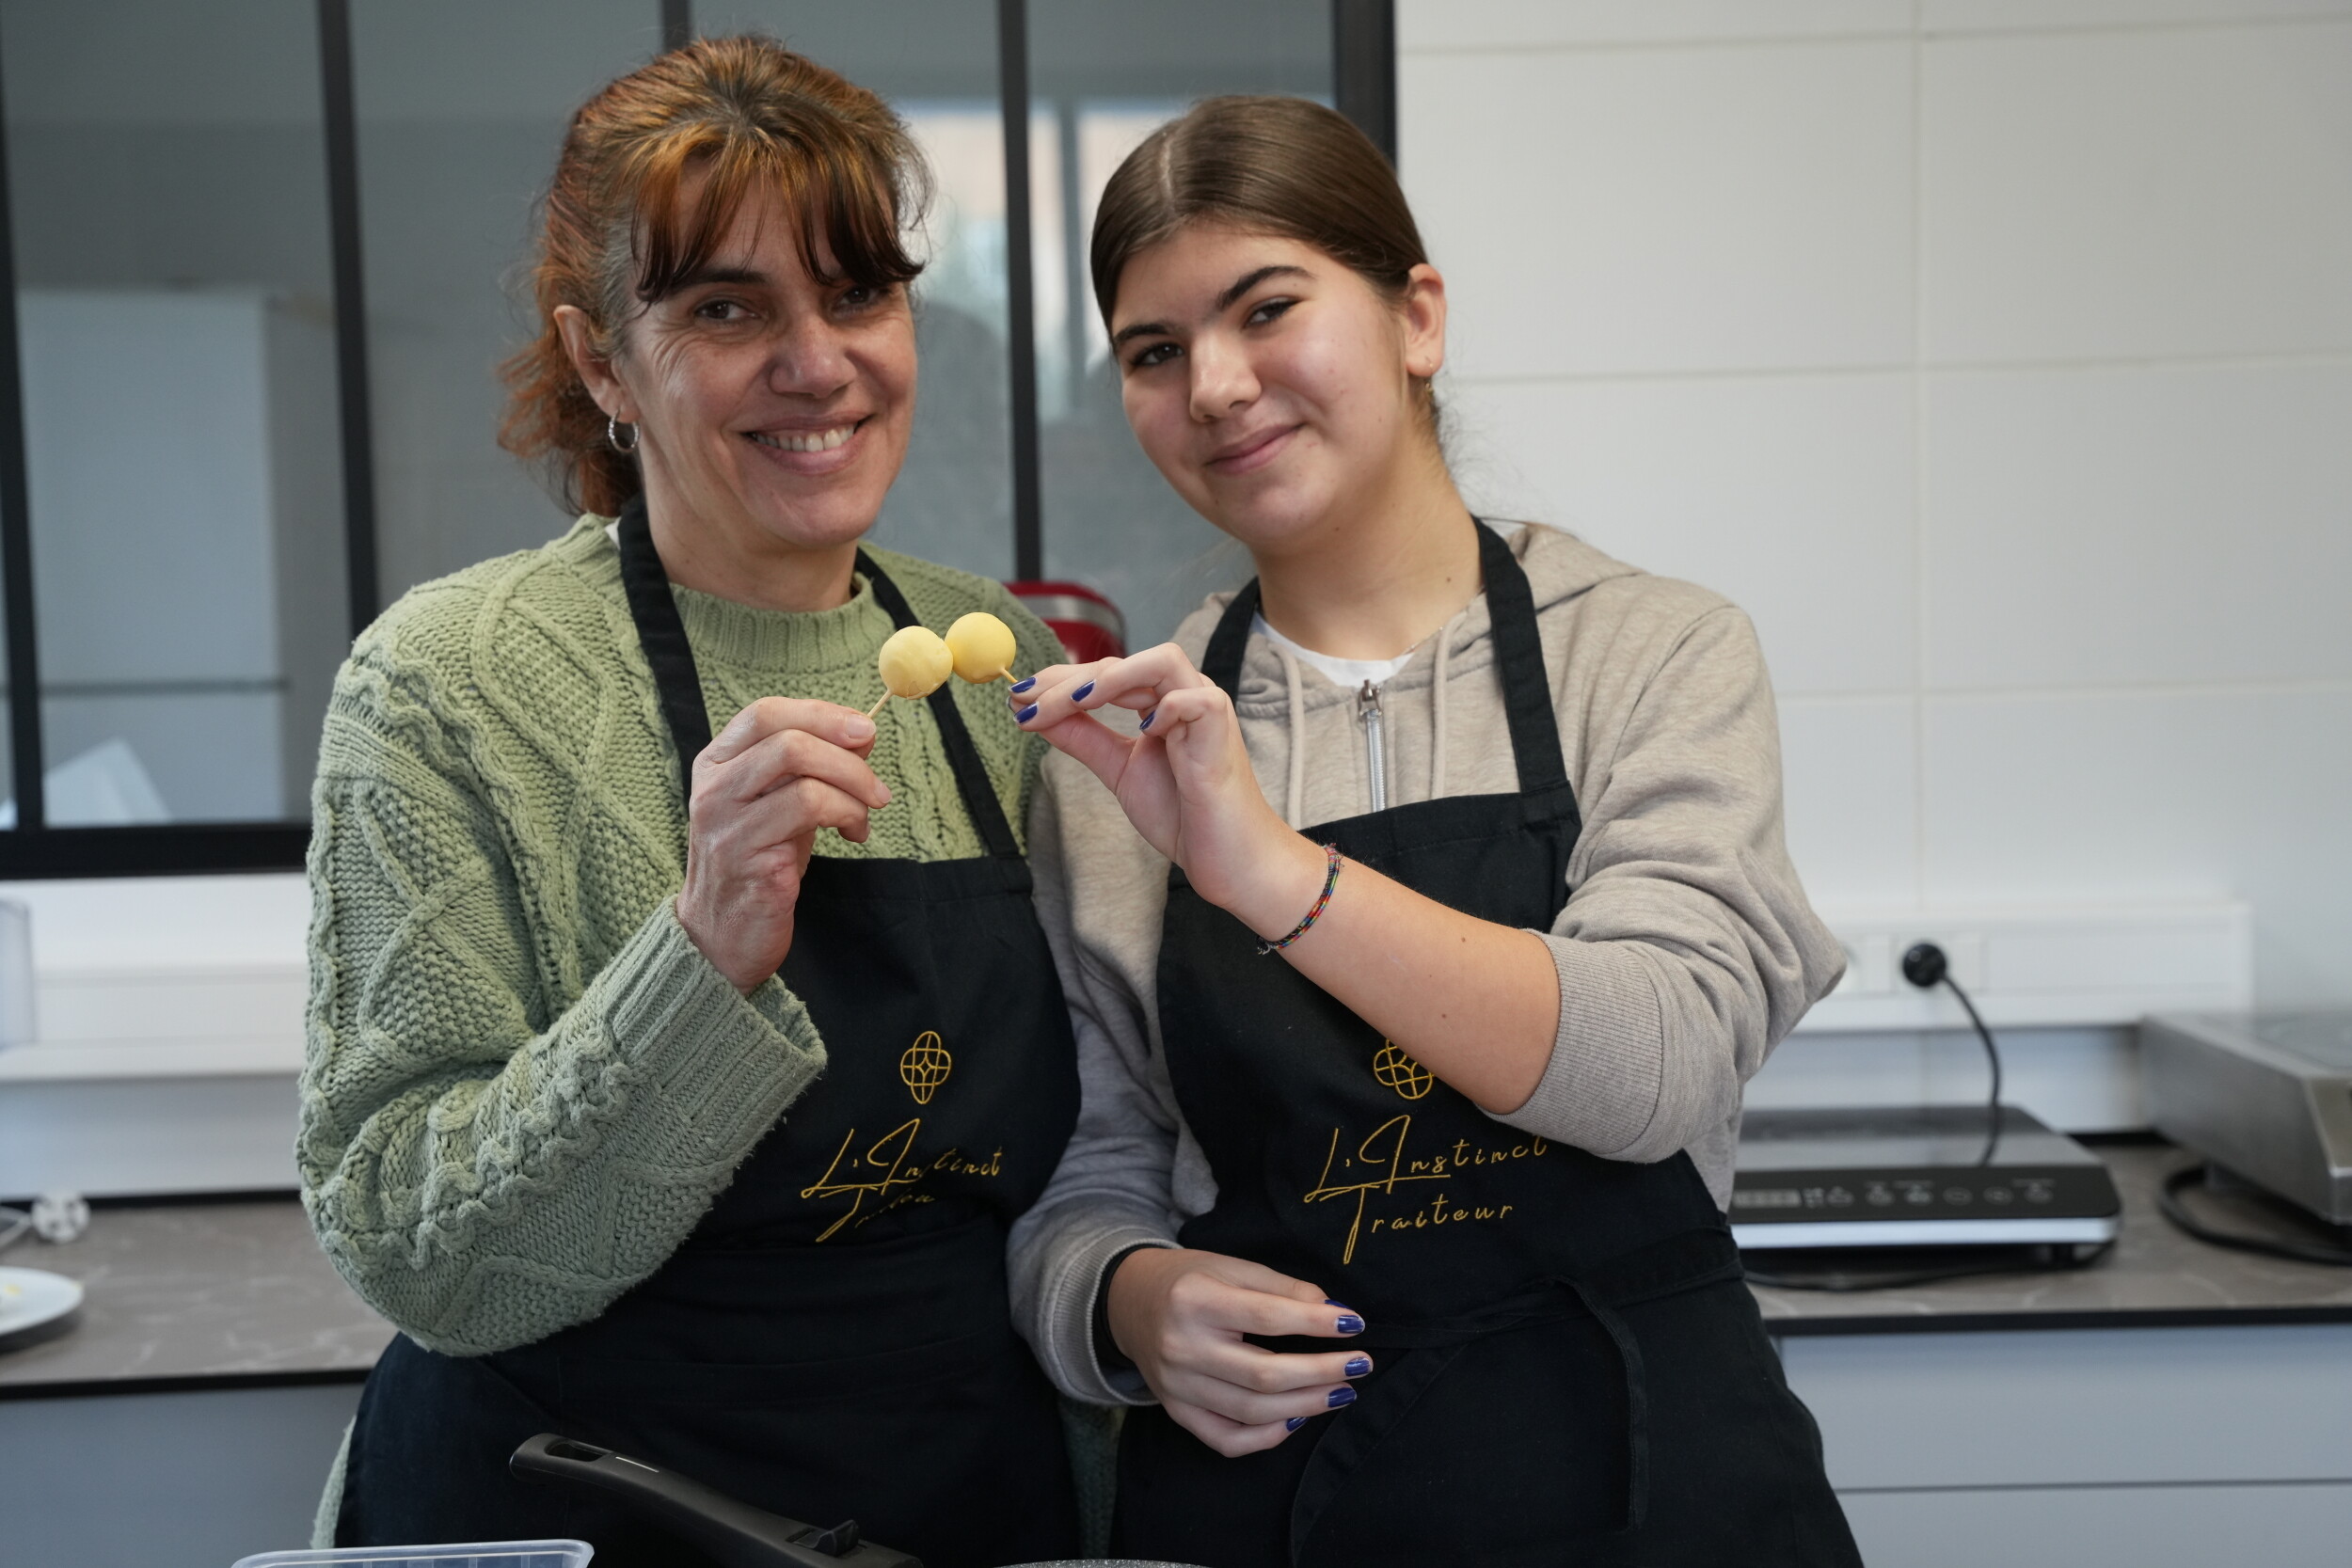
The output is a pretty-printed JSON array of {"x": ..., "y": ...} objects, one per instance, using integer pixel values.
[
  {"x": 1286, "y": 166},
  {"x": 627, "y": 224}
]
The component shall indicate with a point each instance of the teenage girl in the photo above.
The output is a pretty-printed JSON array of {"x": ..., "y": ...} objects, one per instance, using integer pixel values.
[{"x": 1422, "y": 909}]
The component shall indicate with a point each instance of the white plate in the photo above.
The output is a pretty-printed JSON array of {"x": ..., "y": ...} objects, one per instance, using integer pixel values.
[{"x": 31, "y": 1297}]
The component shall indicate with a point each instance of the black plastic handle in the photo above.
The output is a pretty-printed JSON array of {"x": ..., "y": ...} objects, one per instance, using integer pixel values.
[{"x": 737, "y": 1535}]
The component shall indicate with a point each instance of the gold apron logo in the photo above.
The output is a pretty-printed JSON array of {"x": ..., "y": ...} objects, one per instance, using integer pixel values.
[
  {"x": 1398, "y": 1071},
  {"x": 925, "y": 1066}
]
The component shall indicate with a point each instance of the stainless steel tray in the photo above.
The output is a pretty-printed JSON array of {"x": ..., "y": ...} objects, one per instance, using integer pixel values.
[{"x": 2265, "y": 1097}]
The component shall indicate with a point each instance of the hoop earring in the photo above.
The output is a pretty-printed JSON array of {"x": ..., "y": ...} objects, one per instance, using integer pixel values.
[{"x": 613, "y": 436}]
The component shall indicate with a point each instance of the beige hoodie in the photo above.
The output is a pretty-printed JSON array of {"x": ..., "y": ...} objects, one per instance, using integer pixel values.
[{"x": 1685, "y": 952}]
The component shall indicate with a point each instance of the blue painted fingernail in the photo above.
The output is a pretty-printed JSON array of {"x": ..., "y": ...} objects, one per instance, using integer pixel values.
[
  {"x": 1349, "y": 1323},
  {"x": 1360, "y": 1367},
  {"x": 1024, "y": 686},
  {"x": 1083, "y": 692},
  {"x": 1295, "y": 1423},
  {"x": 1147, "y": 719},
  {"x": 1025, "y": 713},
  {"x": 1339, "y": 1397}
]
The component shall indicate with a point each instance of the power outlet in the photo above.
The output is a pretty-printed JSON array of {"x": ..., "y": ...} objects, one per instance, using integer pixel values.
[{"x": 2043, "y": 967}]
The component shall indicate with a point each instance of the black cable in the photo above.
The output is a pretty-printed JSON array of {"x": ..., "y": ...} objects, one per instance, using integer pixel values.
[
  {"x": 2169, "y": 1201},
  {"x": 1901, "y": 1279},
  {"x": 1992, "y": 1061},
  {"x": 1925, "y": 966}
]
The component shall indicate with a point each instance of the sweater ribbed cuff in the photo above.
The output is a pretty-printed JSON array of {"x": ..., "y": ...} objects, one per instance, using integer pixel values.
[
  {"x": 1600, "y": 1091},
  {"x": 1069, "y": 1351},
  {"x": 727, "y": 1063}
]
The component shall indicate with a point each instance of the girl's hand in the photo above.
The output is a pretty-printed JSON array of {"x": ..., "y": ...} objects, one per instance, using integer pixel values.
[
  {"x": 782, "y": 768},
  {"x": 1180, "y": 1316},
  {"x": 1184, "y": 782}
]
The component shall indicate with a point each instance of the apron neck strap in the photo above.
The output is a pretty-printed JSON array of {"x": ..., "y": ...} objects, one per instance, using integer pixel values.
[
  {"x": 677, "y": 682},
  {"x": 1519, "y": 659},
  {"x": 1221, "y": 660},
  {"x": 662, "y": 635}
]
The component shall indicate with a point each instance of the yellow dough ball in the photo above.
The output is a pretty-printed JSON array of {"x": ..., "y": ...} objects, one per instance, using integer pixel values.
[
  {"x": 914, "y": 662},
  {"x": 982, "y": 646}
]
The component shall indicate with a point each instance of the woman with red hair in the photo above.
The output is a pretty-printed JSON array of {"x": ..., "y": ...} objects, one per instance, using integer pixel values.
[{"x": 669, "y": 1092}]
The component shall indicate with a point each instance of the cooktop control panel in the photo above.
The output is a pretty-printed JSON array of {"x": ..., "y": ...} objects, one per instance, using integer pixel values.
[
  {"x": 1927, "y": 1192},
  {"x": 1914, "y": 1177}
]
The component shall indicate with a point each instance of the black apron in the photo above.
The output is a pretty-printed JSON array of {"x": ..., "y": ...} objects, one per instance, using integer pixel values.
[
  {"x": 835, "y": 1339},
  {"x": 1569, "y": 1367}
]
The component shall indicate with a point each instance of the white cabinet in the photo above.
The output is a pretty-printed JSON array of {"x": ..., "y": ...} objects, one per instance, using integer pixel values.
[
  {"x": 194, "y": 1480},
  {"x": 2084, "y": 1447}
]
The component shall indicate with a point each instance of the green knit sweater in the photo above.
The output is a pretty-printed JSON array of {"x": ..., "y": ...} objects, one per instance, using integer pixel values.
[{"x": 524, "y": 1083}]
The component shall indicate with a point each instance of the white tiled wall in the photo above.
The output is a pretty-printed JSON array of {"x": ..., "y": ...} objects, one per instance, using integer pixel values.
[{"x": 1996, "y": 355}]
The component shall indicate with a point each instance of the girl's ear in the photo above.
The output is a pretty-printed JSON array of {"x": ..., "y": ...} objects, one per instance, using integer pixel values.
[
  {"x": 1423, "y": 311},
  {"x": 594, "y": 370}
]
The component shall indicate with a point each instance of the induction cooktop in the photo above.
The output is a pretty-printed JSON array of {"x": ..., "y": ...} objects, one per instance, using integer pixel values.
[{"x": 1916, "y": 1176}]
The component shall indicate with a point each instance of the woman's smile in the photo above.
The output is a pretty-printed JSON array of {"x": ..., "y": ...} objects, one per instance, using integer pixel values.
[{"x": 810, "y": 452}]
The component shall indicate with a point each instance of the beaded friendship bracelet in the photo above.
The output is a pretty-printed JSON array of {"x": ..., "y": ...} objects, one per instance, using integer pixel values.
[{"x": 1330, "y": 880}]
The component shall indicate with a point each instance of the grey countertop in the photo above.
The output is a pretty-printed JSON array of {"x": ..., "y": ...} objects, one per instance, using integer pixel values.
[
  {"x": 188, "y": 1295},
  {"x": 2154, "y": 1276},
  {"x": 229, "y": 1293}
]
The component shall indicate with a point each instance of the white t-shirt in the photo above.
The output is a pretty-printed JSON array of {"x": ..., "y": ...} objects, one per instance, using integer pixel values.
[{"x": 1349, "y": 673}]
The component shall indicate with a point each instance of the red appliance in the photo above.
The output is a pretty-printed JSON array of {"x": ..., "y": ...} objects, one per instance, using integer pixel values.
[{"x": 1089, "y": 625}]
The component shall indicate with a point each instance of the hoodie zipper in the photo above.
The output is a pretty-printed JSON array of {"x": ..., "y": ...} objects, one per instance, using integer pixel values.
[{"x": 1376, "y": 747}]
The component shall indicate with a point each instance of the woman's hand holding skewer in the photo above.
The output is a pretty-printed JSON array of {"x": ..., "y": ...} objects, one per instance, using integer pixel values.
[{"x": 782, "y": 768}]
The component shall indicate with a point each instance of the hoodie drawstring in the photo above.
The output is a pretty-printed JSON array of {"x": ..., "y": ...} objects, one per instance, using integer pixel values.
[
  {"x": 1295, "y": 794},
  {"x": 1295, "y": 802},
  {"x": 1436, "y": 705}
]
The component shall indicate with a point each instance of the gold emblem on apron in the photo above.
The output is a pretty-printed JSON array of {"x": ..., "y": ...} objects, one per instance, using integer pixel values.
[
  {"x": 1398, "y": 1071},
  {"x": 925, "y": 1066}
]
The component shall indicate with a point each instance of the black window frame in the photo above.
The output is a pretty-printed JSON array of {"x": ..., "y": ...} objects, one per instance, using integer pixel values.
[{"x": 1363, "y": 35}]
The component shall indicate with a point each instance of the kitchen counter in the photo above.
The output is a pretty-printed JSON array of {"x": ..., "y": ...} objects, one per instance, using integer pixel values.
[
  {"x": 237, "y": 1294},
  {"x": 183, "y": 1296},
  {"x": 2154, "y": 1278}
]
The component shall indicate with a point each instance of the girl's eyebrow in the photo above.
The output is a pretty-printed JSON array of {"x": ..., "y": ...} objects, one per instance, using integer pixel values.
[
  {"x": 1232, "y": 291},
  {"x": 1249, "y": 281}
]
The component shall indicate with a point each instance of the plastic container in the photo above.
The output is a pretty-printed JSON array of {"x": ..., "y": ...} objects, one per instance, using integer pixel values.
[{"x": 479, "y": 1554}]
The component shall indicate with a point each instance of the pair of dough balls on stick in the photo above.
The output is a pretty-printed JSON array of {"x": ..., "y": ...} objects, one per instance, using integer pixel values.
[{"x": 916, "y": 660}]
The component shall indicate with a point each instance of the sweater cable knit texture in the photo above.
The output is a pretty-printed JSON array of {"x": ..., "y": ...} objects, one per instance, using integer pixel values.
[{"x": 524, "y": 1083}]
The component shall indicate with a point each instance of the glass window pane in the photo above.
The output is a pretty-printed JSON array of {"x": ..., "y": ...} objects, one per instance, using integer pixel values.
[
  {"x": 461, "y": 110},
  {"x": 7, "y": 734},
  {"x": 1101, "y": 77},
  {"x": 935, "y": 60},
  {"x": 168, "y": 185}
]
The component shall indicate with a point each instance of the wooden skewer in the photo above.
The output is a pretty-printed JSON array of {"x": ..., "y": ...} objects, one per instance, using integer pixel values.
[{"x": 1004, "y": 675}]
